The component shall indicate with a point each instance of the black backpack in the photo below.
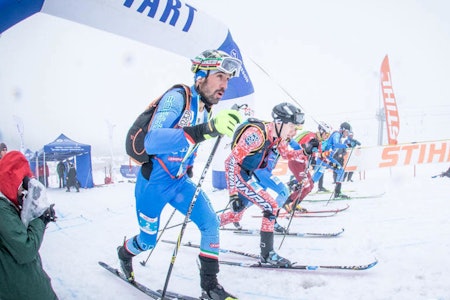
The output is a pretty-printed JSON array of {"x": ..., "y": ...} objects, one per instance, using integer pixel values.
[{"x": 134, "y": 142}]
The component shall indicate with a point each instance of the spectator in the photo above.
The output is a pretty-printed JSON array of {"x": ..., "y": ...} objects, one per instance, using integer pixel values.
[
  {"x": 61, "y": 169},
  {"x": 72, "y": 180},
  {"x": 21, "y": 272},
  {"x": 3, "y": 149}
]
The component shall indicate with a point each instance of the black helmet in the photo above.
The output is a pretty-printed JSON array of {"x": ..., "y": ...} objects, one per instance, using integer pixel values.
[
  {"x": 346, "y": 126},
  {"x": 286, "y": 112}
]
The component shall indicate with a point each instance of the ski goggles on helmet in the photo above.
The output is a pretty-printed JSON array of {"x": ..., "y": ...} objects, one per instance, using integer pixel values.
[
  {"x": 227, "y": 65},
  {"x": 299, "y": 119}
]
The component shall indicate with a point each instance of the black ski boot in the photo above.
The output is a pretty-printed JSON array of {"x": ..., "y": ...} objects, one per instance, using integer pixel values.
[
  {"x": 337, "y": 192},
  {"x": 268, "y": 255},
  {"x": 237, "y": 225},
  {"x": 211, "y": 289},
  {"x": 126, "y": 262}
]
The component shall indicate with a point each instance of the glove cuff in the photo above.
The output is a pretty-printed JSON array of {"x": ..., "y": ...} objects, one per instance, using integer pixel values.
[{"x": 196, "y": 134}]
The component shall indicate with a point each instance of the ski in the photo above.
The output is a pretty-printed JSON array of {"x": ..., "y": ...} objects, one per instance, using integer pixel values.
[
  {"x": 192, "y": 245},
  {"x": 178, "y": 296},
  {"x": 301, "y": 267},
  {"x": 297, "y": 234},
  {"x": 323, "y": 214},
  {"x": 149, "y": 292},
  {"x": 340, "y": 199},
  {"x": 313, "y": 212},
  {"x": 329, "y": 192}
]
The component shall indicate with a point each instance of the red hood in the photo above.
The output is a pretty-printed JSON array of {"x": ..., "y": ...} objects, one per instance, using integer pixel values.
[{"x": 13, "y": 168}]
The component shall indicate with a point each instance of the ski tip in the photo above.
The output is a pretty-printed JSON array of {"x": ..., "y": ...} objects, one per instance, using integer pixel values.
[
  {"x": 374, "y": 263},
  {"x": 103, "y": 264}
]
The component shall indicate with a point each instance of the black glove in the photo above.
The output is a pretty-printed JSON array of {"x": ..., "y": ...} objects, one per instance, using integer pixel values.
[
  {"x": 335, "y": 165},
  {"x": 311, "y": 147},
  {"x": 189, "y": 171},
  {"x": 49, "y": 215},
  {"x": 236, "y": 204}
]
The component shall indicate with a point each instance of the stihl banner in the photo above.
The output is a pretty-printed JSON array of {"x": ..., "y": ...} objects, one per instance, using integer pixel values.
[
  {"x": 390, "y": 106},
  {"x": 399, "y": 155}
]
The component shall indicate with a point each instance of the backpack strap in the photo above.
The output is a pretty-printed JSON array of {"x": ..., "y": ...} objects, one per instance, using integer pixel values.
[{"x": 184, "y": 120}]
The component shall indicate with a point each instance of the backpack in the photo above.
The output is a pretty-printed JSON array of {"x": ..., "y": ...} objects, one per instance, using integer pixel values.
[
  {"x": 134, "y": 142},
  {"x": 240, "y": 130}
]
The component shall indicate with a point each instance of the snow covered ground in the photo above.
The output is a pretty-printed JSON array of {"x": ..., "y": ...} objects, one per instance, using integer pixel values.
[{"x": 407, "y": 230}]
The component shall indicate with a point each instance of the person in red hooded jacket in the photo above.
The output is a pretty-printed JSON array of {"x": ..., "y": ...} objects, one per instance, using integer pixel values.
[{"x": 21, "y": 272}]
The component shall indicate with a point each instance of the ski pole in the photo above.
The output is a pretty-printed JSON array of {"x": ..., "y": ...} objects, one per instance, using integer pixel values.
[
  {"x": 188, "y": 214},
  {"x": 281, "y": 87},
  {"x": 159, "y": 237},
  {"x": 294, "y": 206},
  {"x": 332, "y": 194}
]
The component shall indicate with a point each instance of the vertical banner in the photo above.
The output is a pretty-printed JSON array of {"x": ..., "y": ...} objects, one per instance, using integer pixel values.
[{"x": 390, "y": 106}]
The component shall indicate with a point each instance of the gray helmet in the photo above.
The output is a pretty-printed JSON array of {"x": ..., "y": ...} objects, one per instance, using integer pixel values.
[
  {"x": 286, "y": 112},
  {"x": 346, "y": 126}
]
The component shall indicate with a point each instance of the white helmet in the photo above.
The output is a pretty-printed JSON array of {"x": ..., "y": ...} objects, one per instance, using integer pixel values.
[{"x": 324, "y": 128}]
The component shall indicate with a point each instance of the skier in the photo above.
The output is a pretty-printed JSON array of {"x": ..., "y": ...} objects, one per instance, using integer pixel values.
[
  {"x": 21, "y": 272},
  {"x": 164, "y": 180},
  {"x": 329, "y": 148},
  {"x": 351, "y": 142},
  {"x": 253, "y": 144},
  {"x": 303, "y": 184},
  {"x": 267, "y": 181}
]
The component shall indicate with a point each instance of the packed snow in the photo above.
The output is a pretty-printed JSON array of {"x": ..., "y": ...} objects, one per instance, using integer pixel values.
[{"x": 406, "y": 229}]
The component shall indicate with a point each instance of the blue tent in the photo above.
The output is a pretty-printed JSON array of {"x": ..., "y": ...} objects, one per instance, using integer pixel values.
[{"x": 63, "y": 148}]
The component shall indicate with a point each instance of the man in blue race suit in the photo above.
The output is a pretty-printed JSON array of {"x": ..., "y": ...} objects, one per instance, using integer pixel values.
[{"x": 172, "y": 143}]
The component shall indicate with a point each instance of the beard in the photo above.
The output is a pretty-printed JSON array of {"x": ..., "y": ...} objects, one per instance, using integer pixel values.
[{"x": 208, "y": 96}]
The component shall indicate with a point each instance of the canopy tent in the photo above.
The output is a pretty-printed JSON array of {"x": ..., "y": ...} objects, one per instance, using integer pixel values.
[{"x": 63, "y": 148}]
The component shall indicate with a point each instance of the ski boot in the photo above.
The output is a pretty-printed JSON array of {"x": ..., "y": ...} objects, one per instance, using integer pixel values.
[
  {"x": 288, "y": 207},
  {"x": 278, "y": 228},
  {"x": 268, "y": 255},
  {"x": 126, "y": 262},
  {"x": 274, "y": 259},
  {"x": 322, "y": 189},
  {"x": 217, "y": 293},
  {"x": 211, "y": 289},
  {"x": 337, "y": 192},
  {"x": 237, "y": 225},
  {"x": 341, "y": 196}
]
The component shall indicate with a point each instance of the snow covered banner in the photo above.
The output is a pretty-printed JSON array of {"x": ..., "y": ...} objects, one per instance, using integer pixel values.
[
  {"x": 171, "y": 25},
  {"x": 390, "y": 106}
]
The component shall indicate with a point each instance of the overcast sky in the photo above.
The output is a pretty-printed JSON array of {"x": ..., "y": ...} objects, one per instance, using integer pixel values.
[{"x": 61, "y": 77}]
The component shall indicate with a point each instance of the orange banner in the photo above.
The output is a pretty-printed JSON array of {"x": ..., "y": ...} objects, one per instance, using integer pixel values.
[
  {"x": 390, "y": 106},
  {"x": 400, "y": 155}
]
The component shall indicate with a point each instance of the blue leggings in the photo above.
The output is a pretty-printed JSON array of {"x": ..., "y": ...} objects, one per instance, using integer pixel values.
[{"x": 152, "y": 197}]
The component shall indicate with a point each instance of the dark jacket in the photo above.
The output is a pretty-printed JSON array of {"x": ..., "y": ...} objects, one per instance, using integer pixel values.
[{"x": 21, "y": 272}]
